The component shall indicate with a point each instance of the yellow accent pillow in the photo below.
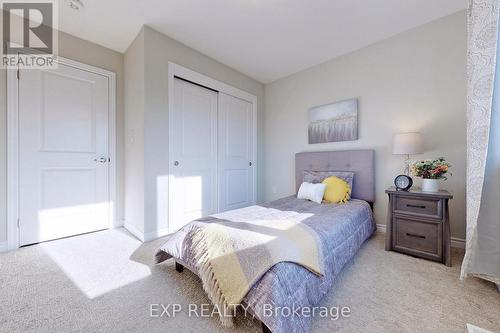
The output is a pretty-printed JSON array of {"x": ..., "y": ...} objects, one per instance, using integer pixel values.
[{"x": 337, "y": 190}]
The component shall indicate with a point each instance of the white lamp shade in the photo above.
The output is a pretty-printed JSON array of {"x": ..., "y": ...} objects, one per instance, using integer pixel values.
[{"x": 407, "y": 144}]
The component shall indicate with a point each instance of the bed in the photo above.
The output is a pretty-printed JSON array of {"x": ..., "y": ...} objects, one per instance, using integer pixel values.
[{"x": 342, "y": 229}]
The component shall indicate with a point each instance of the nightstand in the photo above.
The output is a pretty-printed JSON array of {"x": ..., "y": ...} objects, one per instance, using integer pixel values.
[{"x": 418, "y": 223}]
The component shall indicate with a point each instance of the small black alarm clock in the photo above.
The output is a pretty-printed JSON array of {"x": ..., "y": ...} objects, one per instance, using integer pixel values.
[{"x": 403, "y": 182}]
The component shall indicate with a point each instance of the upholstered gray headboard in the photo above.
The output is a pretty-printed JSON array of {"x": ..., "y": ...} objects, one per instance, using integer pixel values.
[{"x": 361, "y": 162}]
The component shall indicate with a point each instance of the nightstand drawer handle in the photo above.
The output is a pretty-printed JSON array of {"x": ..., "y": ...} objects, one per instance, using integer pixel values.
[
  {"x": 415, "y": 206},
  {"x": 416, "y": 236}
]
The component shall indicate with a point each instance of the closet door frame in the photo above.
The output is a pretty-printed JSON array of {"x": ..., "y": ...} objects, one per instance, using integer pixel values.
[{"x": 175, "y": 70}]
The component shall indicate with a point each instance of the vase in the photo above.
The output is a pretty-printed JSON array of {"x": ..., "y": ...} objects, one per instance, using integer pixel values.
[{"x": 430, "y": 185}]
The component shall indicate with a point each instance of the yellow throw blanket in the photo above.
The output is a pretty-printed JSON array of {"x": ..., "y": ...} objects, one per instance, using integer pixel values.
[{"x": 237, "y": 248}]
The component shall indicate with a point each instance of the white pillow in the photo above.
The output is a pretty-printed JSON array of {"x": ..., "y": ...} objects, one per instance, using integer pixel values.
[{"x": 313, "y": 192}]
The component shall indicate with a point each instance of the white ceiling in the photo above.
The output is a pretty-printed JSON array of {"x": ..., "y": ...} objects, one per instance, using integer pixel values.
[{"x": 265, "y": 39}]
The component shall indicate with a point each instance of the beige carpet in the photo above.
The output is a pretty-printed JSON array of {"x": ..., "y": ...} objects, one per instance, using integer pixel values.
[{"x": 105, "y": 282}]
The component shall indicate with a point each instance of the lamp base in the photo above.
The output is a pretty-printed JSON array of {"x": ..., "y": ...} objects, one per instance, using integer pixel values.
[{"x": 407, "y": 165}]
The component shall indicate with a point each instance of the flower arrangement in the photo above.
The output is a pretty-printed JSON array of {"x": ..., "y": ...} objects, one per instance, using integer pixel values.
[{"x": 431, "y": 169}]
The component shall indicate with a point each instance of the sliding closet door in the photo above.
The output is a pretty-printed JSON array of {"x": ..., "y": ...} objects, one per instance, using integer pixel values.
[
  {"x": 236, "y": 176},
  {"x": 194, "y": 158}
]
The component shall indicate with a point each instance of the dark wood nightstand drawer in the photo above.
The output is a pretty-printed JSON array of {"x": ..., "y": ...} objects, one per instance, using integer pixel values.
[
  {"x": 429, "y": 207},
  {"x": 418, "y": 223},
  {"x": 423, "y": 238}
]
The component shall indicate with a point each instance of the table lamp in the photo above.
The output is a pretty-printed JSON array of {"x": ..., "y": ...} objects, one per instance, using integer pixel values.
[{"x": 407, "y": 144}]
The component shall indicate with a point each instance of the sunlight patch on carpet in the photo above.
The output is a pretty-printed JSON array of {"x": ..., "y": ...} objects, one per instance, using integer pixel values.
[
  {"x": 474, "y": 329},
  {"x": 98, "y": 262}
]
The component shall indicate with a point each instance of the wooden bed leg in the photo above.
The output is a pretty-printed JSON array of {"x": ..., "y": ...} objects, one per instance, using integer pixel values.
[
  {"x": 265, "y": 329},
  {"x": 178, "y": 267}
]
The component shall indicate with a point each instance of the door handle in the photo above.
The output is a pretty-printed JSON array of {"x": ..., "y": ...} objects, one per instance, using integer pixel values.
[
  {"x": 101, "y": 160},
  {"x": 176, "y": 163}
]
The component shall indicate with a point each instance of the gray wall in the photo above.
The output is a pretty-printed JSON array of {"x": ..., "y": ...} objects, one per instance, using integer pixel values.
[
  {"x": 414, "y": 81},
  {"x": 134, "y": 133},
  {"x": 89, "y": 53},
  {"x": 158, "y": 51}
]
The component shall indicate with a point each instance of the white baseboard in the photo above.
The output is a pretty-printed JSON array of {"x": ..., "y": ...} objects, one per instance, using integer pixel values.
[
  {"x": 145, "y": 237},
  {"x": 4, "y": 246},
  {"x": 458, "y": 242},
  {"x": 134, "y": 231},
  {"x": 118, "y": 224},
  {"x": 149, "y": 236},
  {"x": 455, "y": 242}
]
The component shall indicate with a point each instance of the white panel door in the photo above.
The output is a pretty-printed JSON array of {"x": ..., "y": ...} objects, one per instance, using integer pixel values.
[
  {"x": 194, "y": 158},
  {"x": 236, "y": 176},
  {"x": 63, "y": 153}
]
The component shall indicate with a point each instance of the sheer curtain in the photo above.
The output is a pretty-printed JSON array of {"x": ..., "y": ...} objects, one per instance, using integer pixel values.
[{"x": 482, "y": 257}]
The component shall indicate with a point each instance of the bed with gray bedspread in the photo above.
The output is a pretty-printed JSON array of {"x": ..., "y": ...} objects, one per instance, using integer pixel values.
[{"x": 342, "y": 229}]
